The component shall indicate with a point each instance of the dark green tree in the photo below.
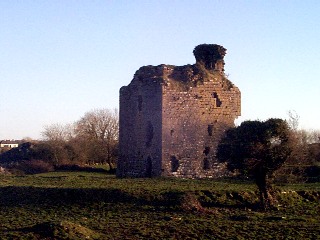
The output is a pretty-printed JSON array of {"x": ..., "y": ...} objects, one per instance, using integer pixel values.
[{"x": 257, "y": 149}]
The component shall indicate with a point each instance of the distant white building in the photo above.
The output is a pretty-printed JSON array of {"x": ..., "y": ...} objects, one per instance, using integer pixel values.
[{"x": 9, "y": 144}]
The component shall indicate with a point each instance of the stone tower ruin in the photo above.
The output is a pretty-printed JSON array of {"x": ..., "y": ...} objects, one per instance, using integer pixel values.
[{"x": 172, "y": 117}]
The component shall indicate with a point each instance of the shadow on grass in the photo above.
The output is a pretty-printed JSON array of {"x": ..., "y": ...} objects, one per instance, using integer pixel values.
[
  {"x": 179, "y": 200},
  {"x": 77, "y": 168},
  {"x": 13, "y": 196},
  {"x": 16, "y": 196},
  {"x": 36, "y": 196}
]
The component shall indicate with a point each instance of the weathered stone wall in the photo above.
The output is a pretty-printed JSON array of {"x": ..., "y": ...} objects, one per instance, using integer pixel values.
[
  {"x": 140, "y": 126},
  {"x": 195, "y": 115},
  {"x": 172, "y": 118}
]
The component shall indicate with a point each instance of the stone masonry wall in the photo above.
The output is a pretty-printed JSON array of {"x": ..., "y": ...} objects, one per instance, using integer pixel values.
[
  {"x": 194, "y": 118},
  {"x": 140, "y": 127},
  {"x": 172, "y": 118}
]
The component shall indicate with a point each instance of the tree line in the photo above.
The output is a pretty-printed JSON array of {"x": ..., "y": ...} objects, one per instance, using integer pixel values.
[{"x": 93, "y": 139}]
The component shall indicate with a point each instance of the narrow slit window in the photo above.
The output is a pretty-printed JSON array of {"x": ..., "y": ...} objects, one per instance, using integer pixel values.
[
  {"x": 216, "y": 97},
  {"x": 206, "y": 164},
  {"x": 206, "y": 151},
  {"x": 210, "y": 130}
]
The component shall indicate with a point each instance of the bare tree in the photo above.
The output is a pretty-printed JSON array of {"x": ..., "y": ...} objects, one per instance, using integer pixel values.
[
  {"x": 293, "y": 120},
  {"x": 92, "y": 139},
  {"x": 57, "y": 136},
  {"x": 302, "y": 156},
  {"x": 312, "y": 136},
  {"x": 100, "y": 127},
  {"x": 57, "y": 132}
]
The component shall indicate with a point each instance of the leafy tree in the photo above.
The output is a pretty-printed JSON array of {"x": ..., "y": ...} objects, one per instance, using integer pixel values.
[{"x": 257, "y": 149}]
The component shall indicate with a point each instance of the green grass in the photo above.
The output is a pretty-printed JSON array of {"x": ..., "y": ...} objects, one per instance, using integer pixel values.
[{"x": 79, "y": 205}]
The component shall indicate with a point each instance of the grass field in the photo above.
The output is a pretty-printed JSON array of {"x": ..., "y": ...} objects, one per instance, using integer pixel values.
[{"x": 81, "y": 205}]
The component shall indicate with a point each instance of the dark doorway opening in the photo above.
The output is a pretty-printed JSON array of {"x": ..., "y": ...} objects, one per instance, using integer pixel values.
[{"x": 174, "y": 164}]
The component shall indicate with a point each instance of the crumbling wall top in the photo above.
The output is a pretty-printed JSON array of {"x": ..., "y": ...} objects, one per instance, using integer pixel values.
[
  {"x": 210, "y": 55},
  {"x": 209, "y": 62}
]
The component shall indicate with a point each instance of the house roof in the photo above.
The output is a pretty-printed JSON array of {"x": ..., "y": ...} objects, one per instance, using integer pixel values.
[{"x": 9, "y": 142}]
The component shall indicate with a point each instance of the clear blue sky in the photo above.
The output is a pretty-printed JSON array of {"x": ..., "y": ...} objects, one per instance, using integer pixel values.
[{"x": 60, "y": 59}]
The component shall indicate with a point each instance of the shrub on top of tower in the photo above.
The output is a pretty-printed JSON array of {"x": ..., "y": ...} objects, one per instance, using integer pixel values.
[{"x": 210, "y": 56}]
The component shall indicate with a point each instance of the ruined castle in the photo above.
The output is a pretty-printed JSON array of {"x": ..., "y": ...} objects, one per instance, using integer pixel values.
[{"x": 172, "y": 117}]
